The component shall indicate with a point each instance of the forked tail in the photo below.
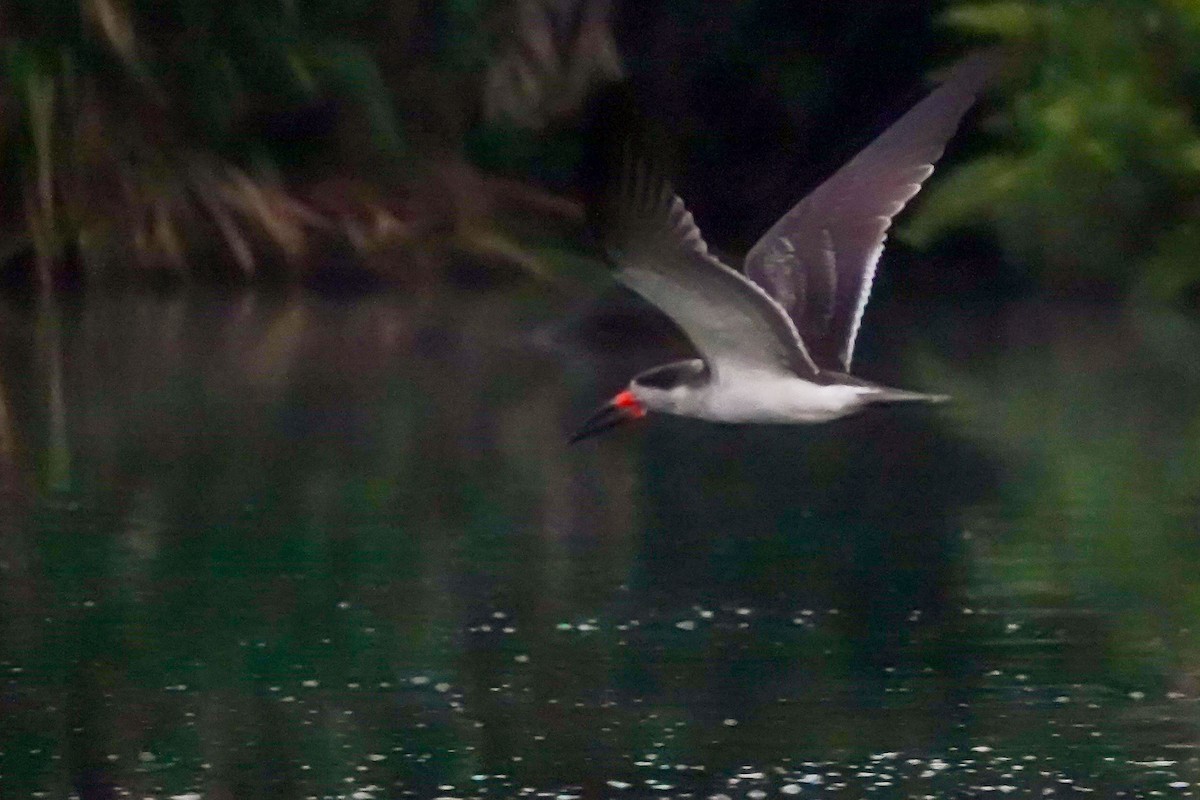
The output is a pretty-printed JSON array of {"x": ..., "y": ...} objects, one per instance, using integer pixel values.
[{"x": 888, "y": 395}]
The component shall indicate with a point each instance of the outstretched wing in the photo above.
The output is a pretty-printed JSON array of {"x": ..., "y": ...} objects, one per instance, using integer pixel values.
[
  {"x": 818, "y": 261},
  {"x": 658, "y": 252}
]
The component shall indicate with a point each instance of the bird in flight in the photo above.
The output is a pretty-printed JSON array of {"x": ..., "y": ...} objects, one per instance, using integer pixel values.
[{"x": 775, "y": 343}]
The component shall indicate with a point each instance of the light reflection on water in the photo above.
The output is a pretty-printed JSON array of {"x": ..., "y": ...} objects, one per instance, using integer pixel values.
[{"x": 287, "y": 547}]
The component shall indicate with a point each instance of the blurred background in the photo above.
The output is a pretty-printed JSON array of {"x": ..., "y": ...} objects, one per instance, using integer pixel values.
[
  {"x": 299, "y": 308},
  {"x": 363, "y": 141}
]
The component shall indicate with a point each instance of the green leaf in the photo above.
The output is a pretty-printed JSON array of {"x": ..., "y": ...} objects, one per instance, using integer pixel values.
[
  {"x": 1173, "y": 268},
  {"x": 1013, "y": 20},
  {"x": 965, "y": 196}
]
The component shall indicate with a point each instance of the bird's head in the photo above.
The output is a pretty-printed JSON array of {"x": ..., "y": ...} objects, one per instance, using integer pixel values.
[
  {"x": 624, "y": 407},
  {"x": 673, "y": 388}
]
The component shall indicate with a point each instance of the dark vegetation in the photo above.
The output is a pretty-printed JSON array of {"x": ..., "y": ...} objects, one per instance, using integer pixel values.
[{"x": 364, "y": 142}]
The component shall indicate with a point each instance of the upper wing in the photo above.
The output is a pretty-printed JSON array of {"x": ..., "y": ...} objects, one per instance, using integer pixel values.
[
  {"x": 818, "y": 260},
  {"x": 657, "y": 249}
]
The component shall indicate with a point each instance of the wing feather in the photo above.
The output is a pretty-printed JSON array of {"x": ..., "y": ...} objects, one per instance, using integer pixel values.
[
  {"x": 818, "y": 261},
  {"x": 653, "y": 241}
]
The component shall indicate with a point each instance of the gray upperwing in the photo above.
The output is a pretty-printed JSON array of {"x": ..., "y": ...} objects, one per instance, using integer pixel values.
[
  {"x": 819, "y": 259},
  {"x": 658, "y": 251}
]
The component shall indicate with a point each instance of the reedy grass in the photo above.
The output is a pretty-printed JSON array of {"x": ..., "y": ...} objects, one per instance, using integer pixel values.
[{"x": 196, "y": 140}]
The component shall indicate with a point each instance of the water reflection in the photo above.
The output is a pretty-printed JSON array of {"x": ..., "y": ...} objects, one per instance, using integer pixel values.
[{"x": 289, "y": 547}]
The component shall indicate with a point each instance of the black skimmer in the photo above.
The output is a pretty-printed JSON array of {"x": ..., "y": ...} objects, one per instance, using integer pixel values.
[{"x": 775, "y": 343}]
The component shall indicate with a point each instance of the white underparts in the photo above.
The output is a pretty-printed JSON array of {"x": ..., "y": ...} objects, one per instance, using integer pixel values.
[{"x": 759, "y": 397}]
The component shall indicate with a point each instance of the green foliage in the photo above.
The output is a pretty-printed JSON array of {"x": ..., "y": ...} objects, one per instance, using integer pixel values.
[
  {"x": 1097, "y": 167},
  {"x": 227, "y": 139},
  {"x": 203, "y": 65}
]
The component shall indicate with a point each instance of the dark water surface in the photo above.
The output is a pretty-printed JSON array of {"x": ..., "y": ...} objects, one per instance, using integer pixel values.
[{"x": 277, "y": 548}]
